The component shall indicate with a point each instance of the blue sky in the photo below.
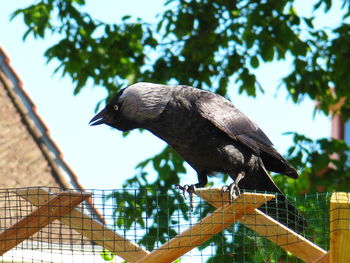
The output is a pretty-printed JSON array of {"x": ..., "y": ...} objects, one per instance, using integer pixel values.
[{"x": 100, "y": 156}]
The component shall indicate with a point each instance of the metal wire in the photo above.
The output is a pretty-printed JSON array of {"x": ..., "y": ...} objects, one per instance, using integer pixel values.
[{"x": 150, "y": 218}]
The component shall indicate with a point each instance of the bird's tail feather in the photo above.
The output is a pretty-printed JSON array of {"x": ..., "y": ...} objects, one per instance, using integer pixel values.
[
  {"x": 281, "y": 210},
  {"x": 278, "y": 208}
]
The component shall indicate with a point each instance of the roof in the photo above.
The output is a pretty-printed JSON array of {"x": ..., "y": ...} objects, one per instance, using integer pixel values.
[
  {"x": 26, "y": 108},
  {"x": 28, "y": 155}
]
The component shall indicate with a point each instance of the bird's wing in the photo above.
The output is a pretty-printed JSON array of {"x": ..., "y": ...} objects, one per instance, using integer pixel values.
[
  {"x": 232, "y": 121},
  {"x": 239, "y": 127}
]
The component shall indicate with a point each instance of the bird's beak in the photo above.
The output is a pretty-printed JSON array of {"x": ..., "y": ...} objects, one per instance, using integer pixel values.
[{"x": 99, "y": 118}]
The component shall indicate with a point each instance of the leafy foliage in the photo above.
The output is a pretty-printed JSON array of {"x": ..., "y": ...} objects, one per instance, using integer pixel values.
[
  {"x": 322, "y": 164},
  {"x": 201, "y": 43},
  {"x": 133, "y": 207}
]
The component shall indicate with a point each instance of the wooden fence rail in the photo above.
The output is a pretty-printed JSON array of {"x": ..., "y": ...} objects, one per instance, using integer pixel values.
[{"x": 243, "y": 209}]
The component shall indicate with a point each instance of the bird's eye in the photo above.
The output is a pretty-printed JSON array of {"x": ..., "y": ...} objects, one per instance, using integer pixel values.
[{"x": 115, "y": 107}]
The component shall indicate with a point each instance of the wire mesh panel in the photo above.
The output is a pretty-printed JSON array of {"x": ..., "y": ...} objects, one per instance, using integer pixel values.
[{"x": 134, "y": 223}]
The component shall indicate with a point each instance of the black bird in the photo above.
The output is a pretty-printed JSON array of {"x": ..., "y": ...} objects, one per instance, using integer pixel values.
[{"x": 210, "y": 134}]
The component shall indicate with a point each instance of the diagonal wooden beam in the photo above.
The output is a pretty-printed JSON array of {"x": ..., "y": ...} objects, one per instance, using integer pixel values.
[
  {"x": 325, "y": 258},
  {"x": 212, "y": 224},
  {"x": 89, "y": 227},
  {"x": 54, "y": 208},
  {"x": 269, "y": 228}
]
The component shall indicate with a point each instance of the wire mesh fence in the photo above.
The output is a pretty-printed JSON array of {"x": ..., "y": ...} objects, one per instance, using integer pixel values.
[{"x": 149, "y": 219}]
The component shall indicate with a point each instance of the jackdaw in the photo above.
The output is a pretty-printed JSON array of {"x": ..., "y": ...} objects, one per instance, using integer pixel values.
[{"x": 209, "y": 133}]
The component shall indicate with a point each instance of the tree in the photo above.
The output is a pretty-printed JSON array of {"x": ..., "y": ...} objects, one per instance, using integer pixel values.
[{"x": 210, "y": 44}]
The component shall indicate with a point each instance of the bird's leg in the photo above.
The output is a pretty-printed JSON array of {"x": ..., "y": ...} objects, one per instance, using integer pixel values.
[
  {"x": 190, "y": 189},
  {"x": 233, "y": 188},
  {"x": 187, "y": 188}
]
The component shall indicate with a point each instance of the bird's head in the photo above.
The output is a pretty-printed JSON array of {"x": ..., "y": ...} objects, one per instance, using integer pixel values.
[{"x": 134, "y": 106}]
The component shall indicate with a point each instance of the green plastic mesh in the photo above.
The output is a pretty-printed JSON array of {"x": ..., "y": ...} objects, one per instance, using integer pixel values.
[{"x": 149, "y": 219}]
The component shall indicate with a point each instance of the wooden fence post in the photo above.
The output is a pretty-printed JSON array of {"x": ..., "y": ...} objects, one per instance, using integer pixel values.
[{"x": 340, "y": 228}]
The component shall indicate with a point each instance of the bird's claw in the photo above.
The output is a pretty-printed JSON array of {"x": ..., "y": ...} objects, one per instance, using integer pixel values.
[
  {"x": 233, "y": 191},
  {"x": 190, "y": 189}
]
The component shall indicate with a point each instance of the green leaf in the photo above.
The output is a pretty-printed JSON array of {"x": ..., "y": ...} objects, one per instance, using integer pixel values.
[
  {"x": 25, "y": 35},
  {"x": 125, "y": 18},
  {"x": 267, "y": 52},
  {"x": 254, "y": 62},
  {"x": 309, "y": 22},
  {"x": 107, "y": 255},
  {"x": 16, "y": 13},
  {"x": 80, "y": 2}
]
